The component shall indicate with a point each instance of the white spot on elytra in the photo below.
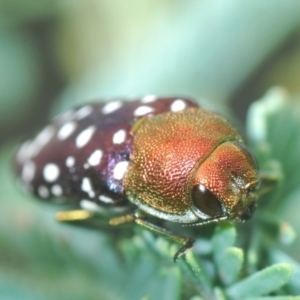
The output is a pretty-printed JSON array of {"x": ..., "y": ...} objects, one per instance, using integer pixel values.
[
  {"x": 44, "y": 136},
  {"x": 28, "y": 171},
  {"x": 86, "y": 186},
  {"x": 51, "y": 172},
  {"x": 66, "y": 130},
  {"x": 142, "y": 110},
  {"x": 43, "y": 191},
  {"x": 119, "y": 137},
  {"x": 70, "y": 161},
  {"x": 84, "y": 137},
  {"x": 120, "y": 169},
  {"x": 22, "y": 153},
  {"x": 106, "y": 199},
  {"x": 66, "y": 116},
  {"x": 178, "y": 105},
  {"x": 95, "y": 158},
  {"x": 56, "y": 190},
  {"x": 111, "y": 107},
  {"x": 31, "y": 148},
  {"x": 83, "y": 112},
  {"x": 149, "y": 99}
]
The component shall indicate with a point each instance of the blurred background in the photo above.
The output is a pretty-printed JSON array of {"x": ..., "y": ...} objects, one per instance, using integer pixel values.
[{"x": 58, "y": 53}]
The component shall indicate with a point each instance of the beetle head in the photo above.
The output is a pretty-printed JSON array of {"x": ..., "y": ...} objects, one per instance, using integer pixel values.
[{"x": 225, "y": 183}]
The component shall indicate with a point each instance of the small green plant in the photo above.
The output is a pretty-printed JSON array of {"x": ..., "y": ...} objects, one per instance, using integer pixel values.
[{"x": 43, "y": 259}]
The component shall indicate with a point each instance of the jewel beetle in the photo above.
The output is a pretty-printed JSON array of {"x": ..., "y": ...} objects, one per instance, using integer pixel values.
[{"x": 166, "y": 158}]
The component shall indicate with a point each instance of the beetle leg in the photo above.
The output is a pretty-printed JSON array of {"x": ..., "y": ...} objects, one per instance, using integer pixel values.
[
  {"x": 73, "y": 215},
  {"x": 186, "y": 242},
  {"x": 129, "y": 218},
  {"x": 139, "y": 218}
]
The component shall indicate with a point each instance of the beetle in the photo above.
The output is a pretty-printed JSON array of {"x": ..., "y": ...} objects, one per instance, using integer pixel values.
[{"x": 161, "y": 157}]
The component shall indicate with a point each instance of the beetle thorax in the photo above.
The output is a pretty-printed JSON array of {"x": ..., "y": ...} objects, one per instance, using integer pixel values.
[{"x": 167, "y": 149}]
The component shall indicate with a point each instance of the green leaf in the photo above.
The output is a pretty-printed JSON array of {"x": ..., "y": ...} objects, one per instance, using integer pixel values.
[
  {"x": 165, "y": 38},
  {"x": 230, "y": 265},
  {"x": 260, "y": 111},
  {"x": 219, "y": 294},
  {"x": 196, "y": 298},
  {"x": 261, "y": 283},
  {"x": 293, "y": 284},
  {"x": 223, "y": 238},
  {"x": 195, "y": 270},
  {"x": 273, "y": 128},
  {"x": 274, "y": 298}
]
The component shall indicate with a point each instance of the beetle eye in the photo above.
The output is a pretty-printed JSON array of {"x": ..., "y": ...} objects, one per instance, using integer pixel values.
[{"x": 206, "y": 201}]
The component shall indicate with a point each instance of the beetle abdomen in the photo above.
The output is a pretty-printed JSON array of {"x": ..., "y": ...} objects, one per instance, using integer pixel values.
[{"x": 84, "y": 153}]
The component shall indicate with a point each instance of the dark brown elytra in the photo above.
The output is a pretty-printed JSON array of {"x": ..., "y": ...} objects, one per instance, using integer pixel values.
[{"x": 110, "y": 142}]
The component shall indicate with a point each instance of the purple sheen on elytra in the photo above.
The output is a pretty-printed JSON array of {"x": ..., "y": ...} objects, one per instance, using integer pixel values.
[{"x": 84, "y": 153}]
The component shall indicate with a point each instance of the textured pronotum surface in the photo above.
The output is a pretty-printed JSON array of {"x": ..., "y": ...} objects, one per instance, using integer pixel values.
[{"x": 161, "y": 170}]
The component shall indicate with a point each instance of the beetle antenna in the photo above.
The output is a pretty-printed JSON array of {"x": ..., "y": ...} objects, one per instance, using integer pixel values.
[{"x": 206, "y": 222}]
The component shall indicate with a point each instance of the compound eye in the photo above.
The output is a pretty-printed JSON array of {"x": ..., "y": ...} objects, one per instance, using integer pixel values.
[{"x": 206, "y": 201}]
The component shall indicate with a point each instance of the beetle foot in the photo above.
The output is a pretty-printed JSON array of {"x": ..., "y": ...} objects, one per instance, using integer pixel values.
[
  {"x": 121, "y": 220},
  {"x": 73, "y": 215},
  {"x": 189, "y": 244}
]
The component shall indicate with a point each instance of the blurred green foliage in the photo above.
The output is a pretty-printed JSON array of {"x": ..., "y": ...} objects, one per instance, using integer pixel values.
[{"x": 55, "y": 54}]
